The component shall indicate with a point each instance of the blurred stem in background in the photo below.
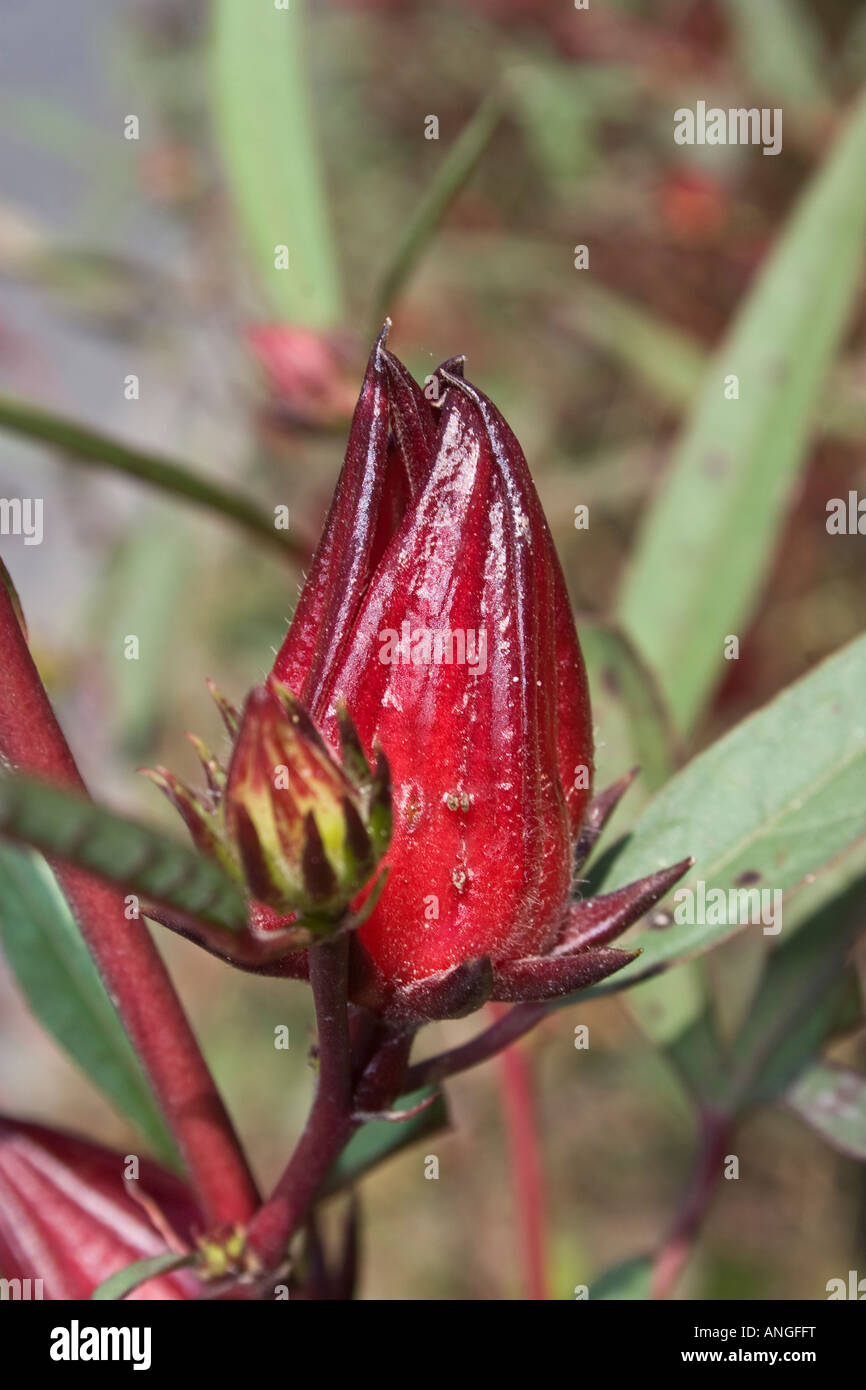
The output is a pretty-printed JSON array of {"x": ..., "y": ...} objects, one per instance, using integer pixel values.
[
  {"x": 668, "y": 1264},
  {"x": 451, "y": 177},
  {"x": 166, "y": 475},
  {"x": 527, "y": 1171}
]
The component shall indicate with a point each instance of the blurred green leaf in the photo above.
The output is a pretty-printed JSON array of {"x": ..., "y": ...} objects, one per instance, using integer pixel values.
[
  {"x": 673, "y": 364},
  {"x": 616, "y": 668},
  {"x": 118, "y": 1285},
  {"x": 732, "y": 975},
  {"x": 807, "y": 997},
  {"x": 778, "y": 797},
  {"x": 267, "y": 139},
  {"x": 724, "y": 994},
  {"x": 629, "y": 1280},
  {"x": 176, "y": 479},
  {"x": 58, "y": 979},
  {"x": 663, "y": 358},
  {"x": 833, "y": 1101},
  {"x": 806, "y": 994},
  {"x": 380, "y": 1139},
  {"x": 779, "y": 46},
  {"x": 666, "y": 1004},
  {"x": 140, "y": 594},
  {"x": 123, "y": 852},
  {"x": 451, "y": 176},
  {"x": 709, "y": 537},
  {"x": 560, "y": 109}
]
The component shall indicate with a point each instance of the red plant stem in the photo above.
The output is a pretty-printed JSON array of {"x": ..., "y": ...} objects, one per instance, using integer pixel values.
[
  {"x": 670, "y": 1260},
  {"x": 334, "y": 1115},
  {"x": 507, "y": 1029},
  {"x": 329, "y": 1123},
  {"x": 128, "y": 961},
  {"x": 384, "y": 1077},
  {"x": 526, "y": 1166}
]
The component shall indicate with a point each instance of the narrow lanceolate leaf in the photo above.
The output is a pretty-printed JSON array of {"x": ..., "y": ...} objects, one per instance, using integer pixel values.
[
  {"x": 65, "y": 826},
  {"x": 177, "y": 480},
  {"x": 709, "y": 537},
  {"x": 451, "y": 176},
  {"x": 654, "y": 353},
  {"x": 381, "y": 1139},
  {"x": 672, "y": 363},
  {"x": 118, "y": 1285},
  {"x": 778, "y": 45},
  {"x": 770, "y": 803},
  {"x": 266, "y": 136},
  {"x": 833, "y": 1101},
  {"x": 58, "y": 979}
]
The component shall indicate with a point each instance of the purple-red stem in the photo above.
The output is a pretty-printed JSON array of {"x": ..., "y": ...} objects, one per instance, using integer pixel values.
[
  {"x": 507, "y": 1029},
  {"x": 128, "y": 961},
  {"x": 527, "y": 1175},
  {"x": 339, "y": 1100},
  {"x": 329, "y": 1123},
  {"x": 671, "y": 1258}
]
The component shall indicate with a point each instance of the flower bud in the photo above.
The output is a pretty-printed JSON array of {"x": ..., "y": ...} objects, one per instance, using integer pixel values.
[
  {"x": 307, "y": 836},
  {"x": 295, "y": 829},
  {"x": 436, "y": 613}
]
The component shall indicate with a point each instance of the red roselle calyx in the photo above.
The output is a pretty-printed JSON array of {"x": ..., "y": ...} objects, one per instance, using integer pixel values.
[
  {"x": 69, "y": 1218},
  {"x": 436, "y": 613},
  {"x": 436, "y": 610}
]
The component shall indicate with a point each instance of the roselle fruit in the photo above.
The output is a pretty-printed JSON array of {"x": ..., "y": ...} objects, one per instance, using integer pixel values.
[
  {"x": 433, "y": 636},
  {"x": 436, "y": 611},
  {"x": 69, "y": 1219}
]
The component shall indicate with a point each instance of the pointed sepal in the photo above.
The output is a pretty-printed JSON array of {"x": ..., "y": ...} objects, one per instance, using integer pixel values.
[
  {"x": 602, "y": 919},
  {"x": 536, "y": 978},
  {"x": 598, "y": 813}
]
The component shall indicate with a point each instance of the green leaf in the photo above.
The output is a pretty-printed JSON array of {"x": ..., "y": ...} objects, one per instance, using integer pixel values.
[
  {"x": 779, "y": 48},
  {"x": 118, "y": 1285},
  {"x": 732, "y": 975},
  {"x": 672, "y": 363},
  {"x": 176, "y": 479},
  {"x": 666, "y": 1004},
  {"x": 267, "y": 140},
  {"x": 124, "y": 852},
  {"x": 806, "y": 995},
  {"x": 617, "y": 669},
  {"x": 561, "y": 118},
  {"x": 778, "y": 797},
  {"x": 709, "y": 537},
  {"x": 630, "y": 1280},
  {"x": 663, "y": 358},
  {"x": 833, "y": 1101},
  {"x": 58, "y": 979},
  {"x": 451, "y": 176},
  {"x": 381, "y": 1139},
  {"x": 142, "y": 592}
]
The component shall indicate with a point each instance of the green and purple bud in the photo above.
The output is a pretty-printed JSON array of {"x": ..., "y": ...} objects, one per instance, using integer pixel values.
[{"x": 293, "y": 827}]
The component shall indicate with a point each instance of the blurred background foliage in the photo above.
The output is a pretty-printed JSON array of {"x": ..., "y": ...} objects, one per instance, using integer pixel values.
[{"x": 154, "y": 257}]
